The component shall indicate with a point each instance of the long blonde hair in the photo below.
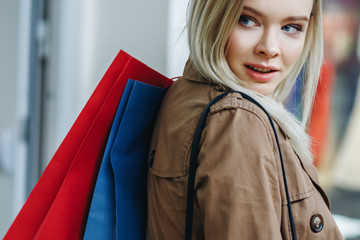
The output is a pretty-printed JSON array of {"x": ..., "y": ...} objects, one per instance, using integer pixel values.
[{"x": 211, "y": 22}]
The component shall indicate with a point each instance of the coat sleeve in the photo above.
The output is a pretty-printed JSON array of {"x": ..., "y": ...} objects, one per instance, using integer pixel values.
[{"x": 237, "y": 186}]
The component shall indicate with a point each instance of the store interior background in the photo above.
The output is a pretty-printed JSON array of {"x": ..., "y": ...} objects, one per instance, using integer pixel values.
[{"x": 53, "y": 53}]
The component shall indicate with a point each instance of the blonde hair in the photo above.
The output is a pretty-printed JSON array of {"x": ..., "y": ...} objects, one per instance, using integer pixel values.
[{"x": 211, "y": 22}]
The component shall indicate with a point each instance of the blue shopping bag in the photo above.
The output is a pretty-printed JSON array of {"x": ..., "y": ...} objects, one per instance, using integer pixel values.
[{"x": 118, "y": 207}]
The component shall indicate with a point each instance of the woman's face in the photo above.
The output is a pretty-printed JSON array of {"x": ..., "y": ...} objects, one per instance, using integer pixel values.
[{"x": 267, "y": 41}]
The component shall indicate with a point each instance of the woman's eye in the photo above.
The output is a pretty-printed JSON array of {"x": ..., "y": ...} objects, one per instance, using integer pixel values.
[
  {"x": 292, "y": 28},
  {"x": 247, "y": 21}
]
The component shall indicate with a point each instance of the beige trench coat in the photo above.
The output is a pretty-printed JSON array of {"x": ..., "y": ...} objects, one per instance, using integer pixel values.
[{"x": 239, "y": 186}]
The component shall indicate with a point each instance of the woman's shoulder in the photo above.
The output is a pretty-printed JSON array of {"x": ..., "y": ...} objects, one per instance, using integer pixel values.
[
  {"x": 238, "y": 105},
  {"x": 234, "y": 116}
]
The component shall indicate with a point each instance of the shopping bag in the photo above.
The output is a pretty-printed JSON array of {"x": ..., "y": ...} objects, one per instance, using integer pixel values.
[
  {"x": 118, "y": 207},
  {"x": 58, "y": 205},
  {"x": 101, "y": 217}
]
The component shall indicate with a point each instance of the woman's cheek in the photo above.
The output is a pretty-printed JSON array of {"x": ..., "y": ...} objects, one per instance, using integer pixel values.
[{"x": 292, "y": 51}]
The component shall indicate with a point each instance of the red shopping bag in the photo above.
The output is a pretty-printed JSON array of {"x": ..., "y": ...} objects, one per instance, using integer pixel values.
[{"x": 58, "y": 205}]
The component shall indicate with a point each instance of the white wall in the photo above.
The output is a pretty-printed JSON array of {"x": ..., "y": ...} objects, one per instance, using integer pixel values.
[
  {"x": 9, "y": 20},
  {"x": 9, "y": 14},
  {"x": 178, "y": 51},
  {"x": 85, "y": 37}
]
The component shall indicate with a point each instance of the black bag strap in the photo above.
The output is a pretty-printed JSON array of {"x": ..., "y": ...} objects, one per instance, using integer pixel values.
[{"x": 195, "y": 149}]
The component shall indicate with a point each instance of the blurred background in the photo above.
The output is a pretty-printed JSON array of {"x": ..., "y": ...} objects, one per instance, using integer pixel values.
[{"x": 53, "y": 53}]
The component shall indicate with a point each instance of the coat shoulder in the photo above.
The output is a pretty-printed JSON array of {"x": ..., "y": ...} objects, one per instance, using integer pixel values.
[
  {"x": 250, "y": 111},
  {"x": 236, "y": 101}
]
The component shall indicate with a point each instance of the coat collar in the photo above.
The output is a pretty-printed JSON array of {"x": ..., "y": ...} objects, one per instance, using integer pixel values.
[{"x": 191, "y": 73}]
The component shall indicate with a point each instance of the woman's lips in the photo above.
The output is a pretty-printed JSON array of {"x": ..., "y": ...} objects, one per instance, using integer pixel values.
[{"x": 262, "y": 75}]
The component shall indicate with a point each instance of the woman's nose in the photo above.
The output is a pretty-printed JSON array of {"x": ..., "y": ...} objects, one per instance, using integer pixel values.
[{"x": 268, "y": 45}]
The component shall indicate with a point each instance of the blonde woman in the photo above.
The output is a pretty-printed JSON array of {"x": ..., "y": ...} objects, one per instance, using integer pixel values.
[{"x": 257, "y": 47}]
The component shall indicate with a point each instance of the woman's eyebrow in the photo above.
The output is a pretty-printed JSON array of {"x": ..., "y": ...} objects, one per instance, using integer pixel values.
[
  {"x": 297, "y": 18},
  {"x": 291, "y": 18},
  {"x": 250, "y": 9}
]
